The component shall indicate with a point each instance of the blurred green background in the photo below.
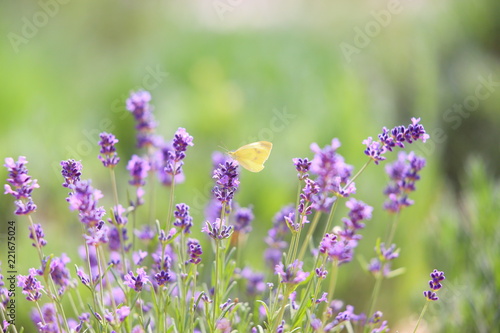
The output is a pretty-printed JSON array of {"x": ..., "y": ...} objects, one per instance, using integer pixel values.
[{"x": 291, "y": 72}]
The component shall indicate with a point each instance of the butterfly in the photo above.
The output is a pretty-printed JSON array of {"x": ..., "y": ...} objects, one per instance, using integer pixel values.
[{"x": 253, "y": 155}]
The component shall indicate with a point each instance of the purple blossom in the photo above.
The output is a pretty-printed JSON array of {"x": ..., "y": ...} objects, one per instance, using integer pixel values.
[
  {"x": 22, "y": 185},
  {"x": 226, "y": 176},
  {"x": 162, "y": 277},
  {"x": 218, "y": 229},
  {"x": 50, "y": 318},
  {"x": 138, "y": 168},
  {"x": 84, "y": 278},
  {"x": 58, "y": 271},
  {"x": 293, "y": 274},
  {"x": 389, "y": 139},
  {"x": 243, "y": 216},
  {"x": 117, "y": 317},
  {"x": 172, "y": 156},
  {"x": 255, "y": 281},
  {"x": 39, "y": 235},
  {"x": 84, "y": 198},
  {"x": 403, "y": 174},
  {"x": 138, "y": 105},
  {"x": 337, "y": 248},
  {"x": 71, "y": 171},
  {"x": 114, "y": 240},
  {"x": 224, "y": 325},
  {"x": 332, "y": 174},
  {"x": 31, "y": 286},
  {"x": 302, "y": 166},
  {"x": 136, "y": 282},
  {"x": 435, "y": 285},
  {"x": 109, "y": 157},
  {"x": 194, "y": 251},
  {"x": 321, "y": 272},
  {"x": 119, "y": 217},
  {"x": 97, "y": 235},
  {"x": 276, "y": 236},
  {"x": 183, "y": 220},
  {"x": 139, "y": 256}
]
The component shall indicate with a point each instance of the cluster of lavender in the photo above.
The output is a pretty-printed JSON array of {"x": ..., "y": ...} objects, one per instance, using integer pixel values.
[{"x": 148, "y": 277}]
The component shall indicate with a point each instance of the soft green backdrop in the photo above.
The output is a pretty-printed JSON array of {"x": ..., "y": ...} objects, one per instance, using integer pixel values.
[{"x": 292, "y": 72}]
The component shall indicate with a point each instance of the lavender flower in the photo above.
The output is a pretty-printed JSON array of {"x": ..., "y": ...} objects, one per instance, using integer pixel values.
[
  {"x": 162, "y": 277},
  {"x": 218, "y": 229},
  {"x": 183, "y": 220},
  {"x": 255, "y": 281},
  {"x": 332, "y": 174},
  {"x": 276, "y": 236},
  {"x": 226, "y": 176},
  {"x": 109, "y": 157},
  {"x": 397, "y": 136},
  {"x": 403, "y": 174},
  {"x": 435, "y": 285},
  {"x": 22, "y": 185},
  {"x": 194, "y": 251},
  {"x": 84, "y": 198},
  {"x": 138, "y": 168},
  {"x": 71, "y": 171},
  {"x": 302, "y": 166},
  {"x": 59, "y": 272},
  {"x": 173, "y": 156},
  {"x": 293, "y": 274},
  {"x": 338, "y": 249},
  {"x": 39, "y": 235},
  {"x": 224, "y": 325},
  {"x": 242, "y": 218},
  {"x": 31, "y": 286},
  {"x": 136, "y": 282},
  {"x": 117, "y": 317},
  {"x": 138, "y": 105}
]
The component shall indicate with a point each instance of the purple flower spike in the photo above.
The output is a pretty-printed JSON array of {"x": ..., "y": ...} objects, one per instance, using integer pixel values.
[
  {"x": 71, "y": 171},
  {"x": 194, "y": 251},
  {"x": 403, "y": 174},
  {"x": 84, "y": 198},
  {"x": 435, "y": 285},
  {"x": 39, "y": 235},
  {"x": 226, "y": 176},
  {"x": 302, "y": 166},
  {"x": 109, "y": 157},
  {"x": 242, "y": 219},
  {"x": 22, "y": 185},
  {"x": 293, "y": 274},
  {"x": 183, "y": 220},
  {"x": 31, "y": 286},
  {"x": 136, "y": 282},
  {"x": 138, "y": 104},
  {"x": 395, "y": 137},
  {"x": 138, "y": 168}
]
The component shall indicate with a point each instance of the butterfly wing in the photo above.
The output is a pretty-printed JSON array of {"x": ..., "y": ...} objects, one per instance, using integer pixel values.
[{"x": 253, "y": 155}]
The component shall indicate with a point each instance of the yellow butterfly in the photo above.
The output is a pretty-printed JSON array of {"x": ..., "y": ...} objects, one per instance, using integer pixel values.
[{"x": 253, "y": 155}]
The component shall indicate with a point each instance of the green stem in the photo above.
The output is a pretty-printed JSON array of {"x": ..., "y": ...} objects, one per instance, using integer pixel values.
[
  {"x": 421, "y": 316},
  {"x": 393, "y": 229},
  {"x": 309, "y": 234},
  {"x": 358, "y": 173},
  {"x": 375, "y": 293},
  {"x": 171, "y": 204}
]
